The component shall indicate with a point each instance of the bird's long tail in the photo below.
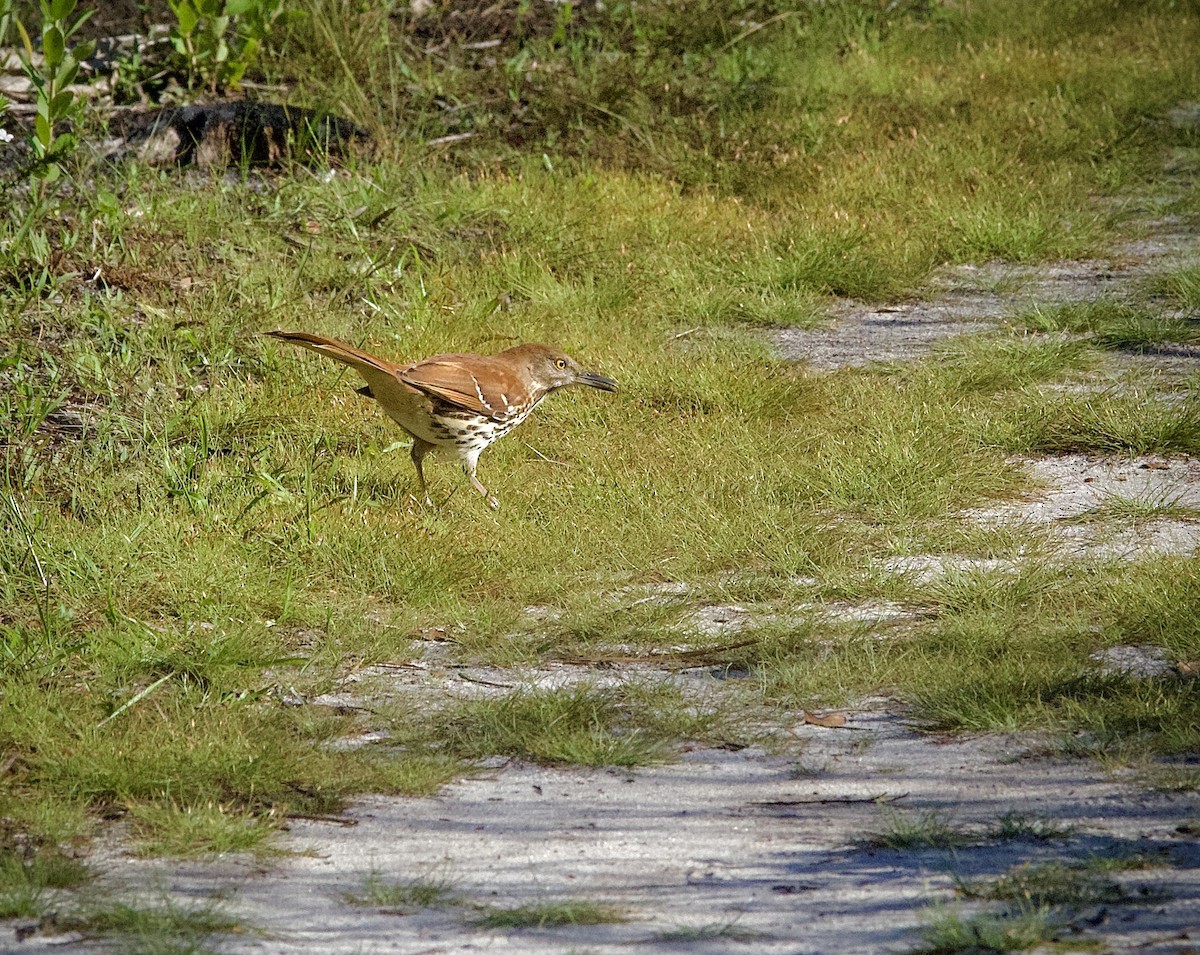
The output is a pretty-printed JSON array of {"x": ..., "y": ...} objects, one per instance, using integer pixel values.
[{"x": 340, "y": 351}]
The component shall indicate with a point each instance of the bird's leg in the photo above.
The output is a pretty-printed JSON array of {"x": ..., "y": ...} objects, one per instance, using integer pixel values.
[
  {"x": 469, "y": 468},
  {"x": 419, "y": 450}
]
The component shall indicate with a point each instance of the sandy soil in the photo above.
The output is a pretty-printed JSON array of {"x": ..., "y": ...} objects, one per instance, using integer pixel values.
[{"x": 725, "y": 851}]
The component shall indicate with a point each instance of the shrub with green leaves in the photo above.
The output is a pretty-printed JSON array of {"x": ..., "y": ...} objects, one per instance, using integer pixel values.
[
  {"x": 51, "y": 79},
  {"x": 219, "y": 39}
]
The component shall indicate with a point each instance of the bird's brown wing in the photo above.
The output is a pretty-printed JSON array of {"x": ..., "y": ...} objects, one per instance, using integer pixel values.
[{"x": 482, "y": 385}]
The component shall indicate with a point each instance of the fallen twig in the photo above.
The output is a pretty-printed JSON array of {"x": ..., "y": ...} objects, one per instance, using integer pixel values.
[
  {"x": 313, "y": 817},
  {"x": 473, "y": 679}
]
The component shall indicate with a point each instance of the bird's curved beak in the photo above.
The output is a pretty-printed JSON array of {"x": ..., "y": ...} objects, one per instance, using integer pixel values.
[{"x": 593, "y": 380}]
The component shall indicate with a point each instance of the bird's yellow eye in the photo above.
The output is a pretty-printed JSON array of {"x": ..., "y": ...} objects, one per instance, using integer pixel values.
[{"x": 560, "y": 363}]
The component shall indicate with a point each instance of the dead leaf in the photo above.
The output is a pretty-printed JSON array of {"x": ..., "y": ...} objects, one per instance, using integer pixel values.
[{"x": 829, "y": 721}]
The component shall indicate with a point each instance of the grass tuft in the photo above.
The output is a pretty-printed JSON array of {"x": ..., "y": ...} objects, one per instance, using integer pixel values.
[
  {"x": 165, "y": 929},
  {"x": 29, "y": 874},
  {"x": 1112, "y": 323},
  {"x": 202, "y": 829},
  {"x": 926, "y": 830},
  {"x": 1172, "y": 778},
  {"x": 1162, "y": 504},
  {"x": 1180, "y": 286},
  {"x": 1016, "y": 825},
  {"x": 583, "y": 725},
  {"x": 1036, "y": 886},
  {"x": 1109, "y": 422},
  {"x": 378, "y": 892},
  {"x": 1128, "y": 861},
  {"x": 951, "y": 933},
  {"x": 553, "y": 914}
]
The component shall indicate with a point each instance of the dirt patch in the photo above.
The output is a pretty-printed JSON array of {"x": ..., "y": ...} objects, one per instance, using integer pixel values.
[
  {"x": 966, "y": 299},
  {"x": 721, "y": 851},
  {"x": 1104, "y": 507}
]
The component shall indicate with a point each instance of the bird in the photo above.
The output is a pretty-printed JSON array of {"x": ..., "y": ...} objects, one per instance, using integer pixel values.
[{"x": 457, "y": 403}]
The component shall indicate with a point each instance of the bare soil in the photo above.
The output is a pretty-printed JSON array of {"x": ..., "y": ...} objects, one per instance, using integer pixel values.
[{"x": 721, "y": 851}]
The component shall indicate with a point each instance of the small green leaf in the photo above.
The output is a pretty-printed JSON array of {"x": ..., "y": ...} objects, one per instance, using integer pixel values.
[
  {"x": 61, "y": 9},
  {"x": 61, "y": 103},
  {"x": 80, "y": 21},
  {"x": 235, "y": 72},
  {"x": 237, "y": 8},
  {"x": 209, "y": 8},
  {"x": 63, "y": 145},
  {"x": 53, "y": 45},
  {"x": 42, "y": 131},
  {"x": 66, "y": 73},
  {"x": 25, "y": 41},
  {"x": 187, "y": 17}
]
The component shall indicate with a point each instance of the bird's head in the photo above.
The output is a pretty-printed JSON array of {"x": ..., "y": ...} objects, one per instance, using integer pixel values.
[{"x": 550, "y": 369}]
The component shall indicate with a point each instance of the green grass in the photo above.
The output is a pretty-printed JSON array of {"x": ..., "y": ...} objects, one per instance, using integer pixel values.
[
  {"x": 200, "y": 829},
  {"x": 1169, "y": 778},
  {"x": 1112, "y": 323},
  {"x": 1179, "y": 286},
  {"x": 1129, "y": 861},
  {"x": 950, "y": 932},
  {"x": 28, "y": 876},
  {"x": 1010, "y": 651},
  {"x": 926, "y": 830},
  {"x": 1016, "y": 825},
  {"x": 197, "y": 526},
  {"x": 378, "y": 892},
  {"x": 1048, "y": 884},
  {"x": 164, "y": 929},
  {"x": 1155, "y": 505},
  {"x": 1040, "y": 902},
  {"x": 1128, "y": 420},
  {"x": 583, "y": 725},
  {"x": 1029, "y": 662},
  {"x": 552, "y": 914}
]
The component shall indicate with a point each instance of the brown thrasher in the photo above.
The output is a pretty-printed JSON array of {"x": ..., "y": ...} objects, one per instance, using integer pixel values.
[{"x": 459, "y": 403}]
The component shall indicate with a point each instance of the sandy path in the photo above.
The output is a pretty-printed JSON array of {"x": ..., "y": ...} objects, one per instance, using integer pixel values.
[{"x": 735, "y": 851}]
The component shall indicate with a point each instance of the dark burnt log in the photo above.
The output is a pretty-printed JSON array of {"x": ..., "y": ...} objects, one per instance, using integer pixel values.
[{"x": 216, "y": 135}]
